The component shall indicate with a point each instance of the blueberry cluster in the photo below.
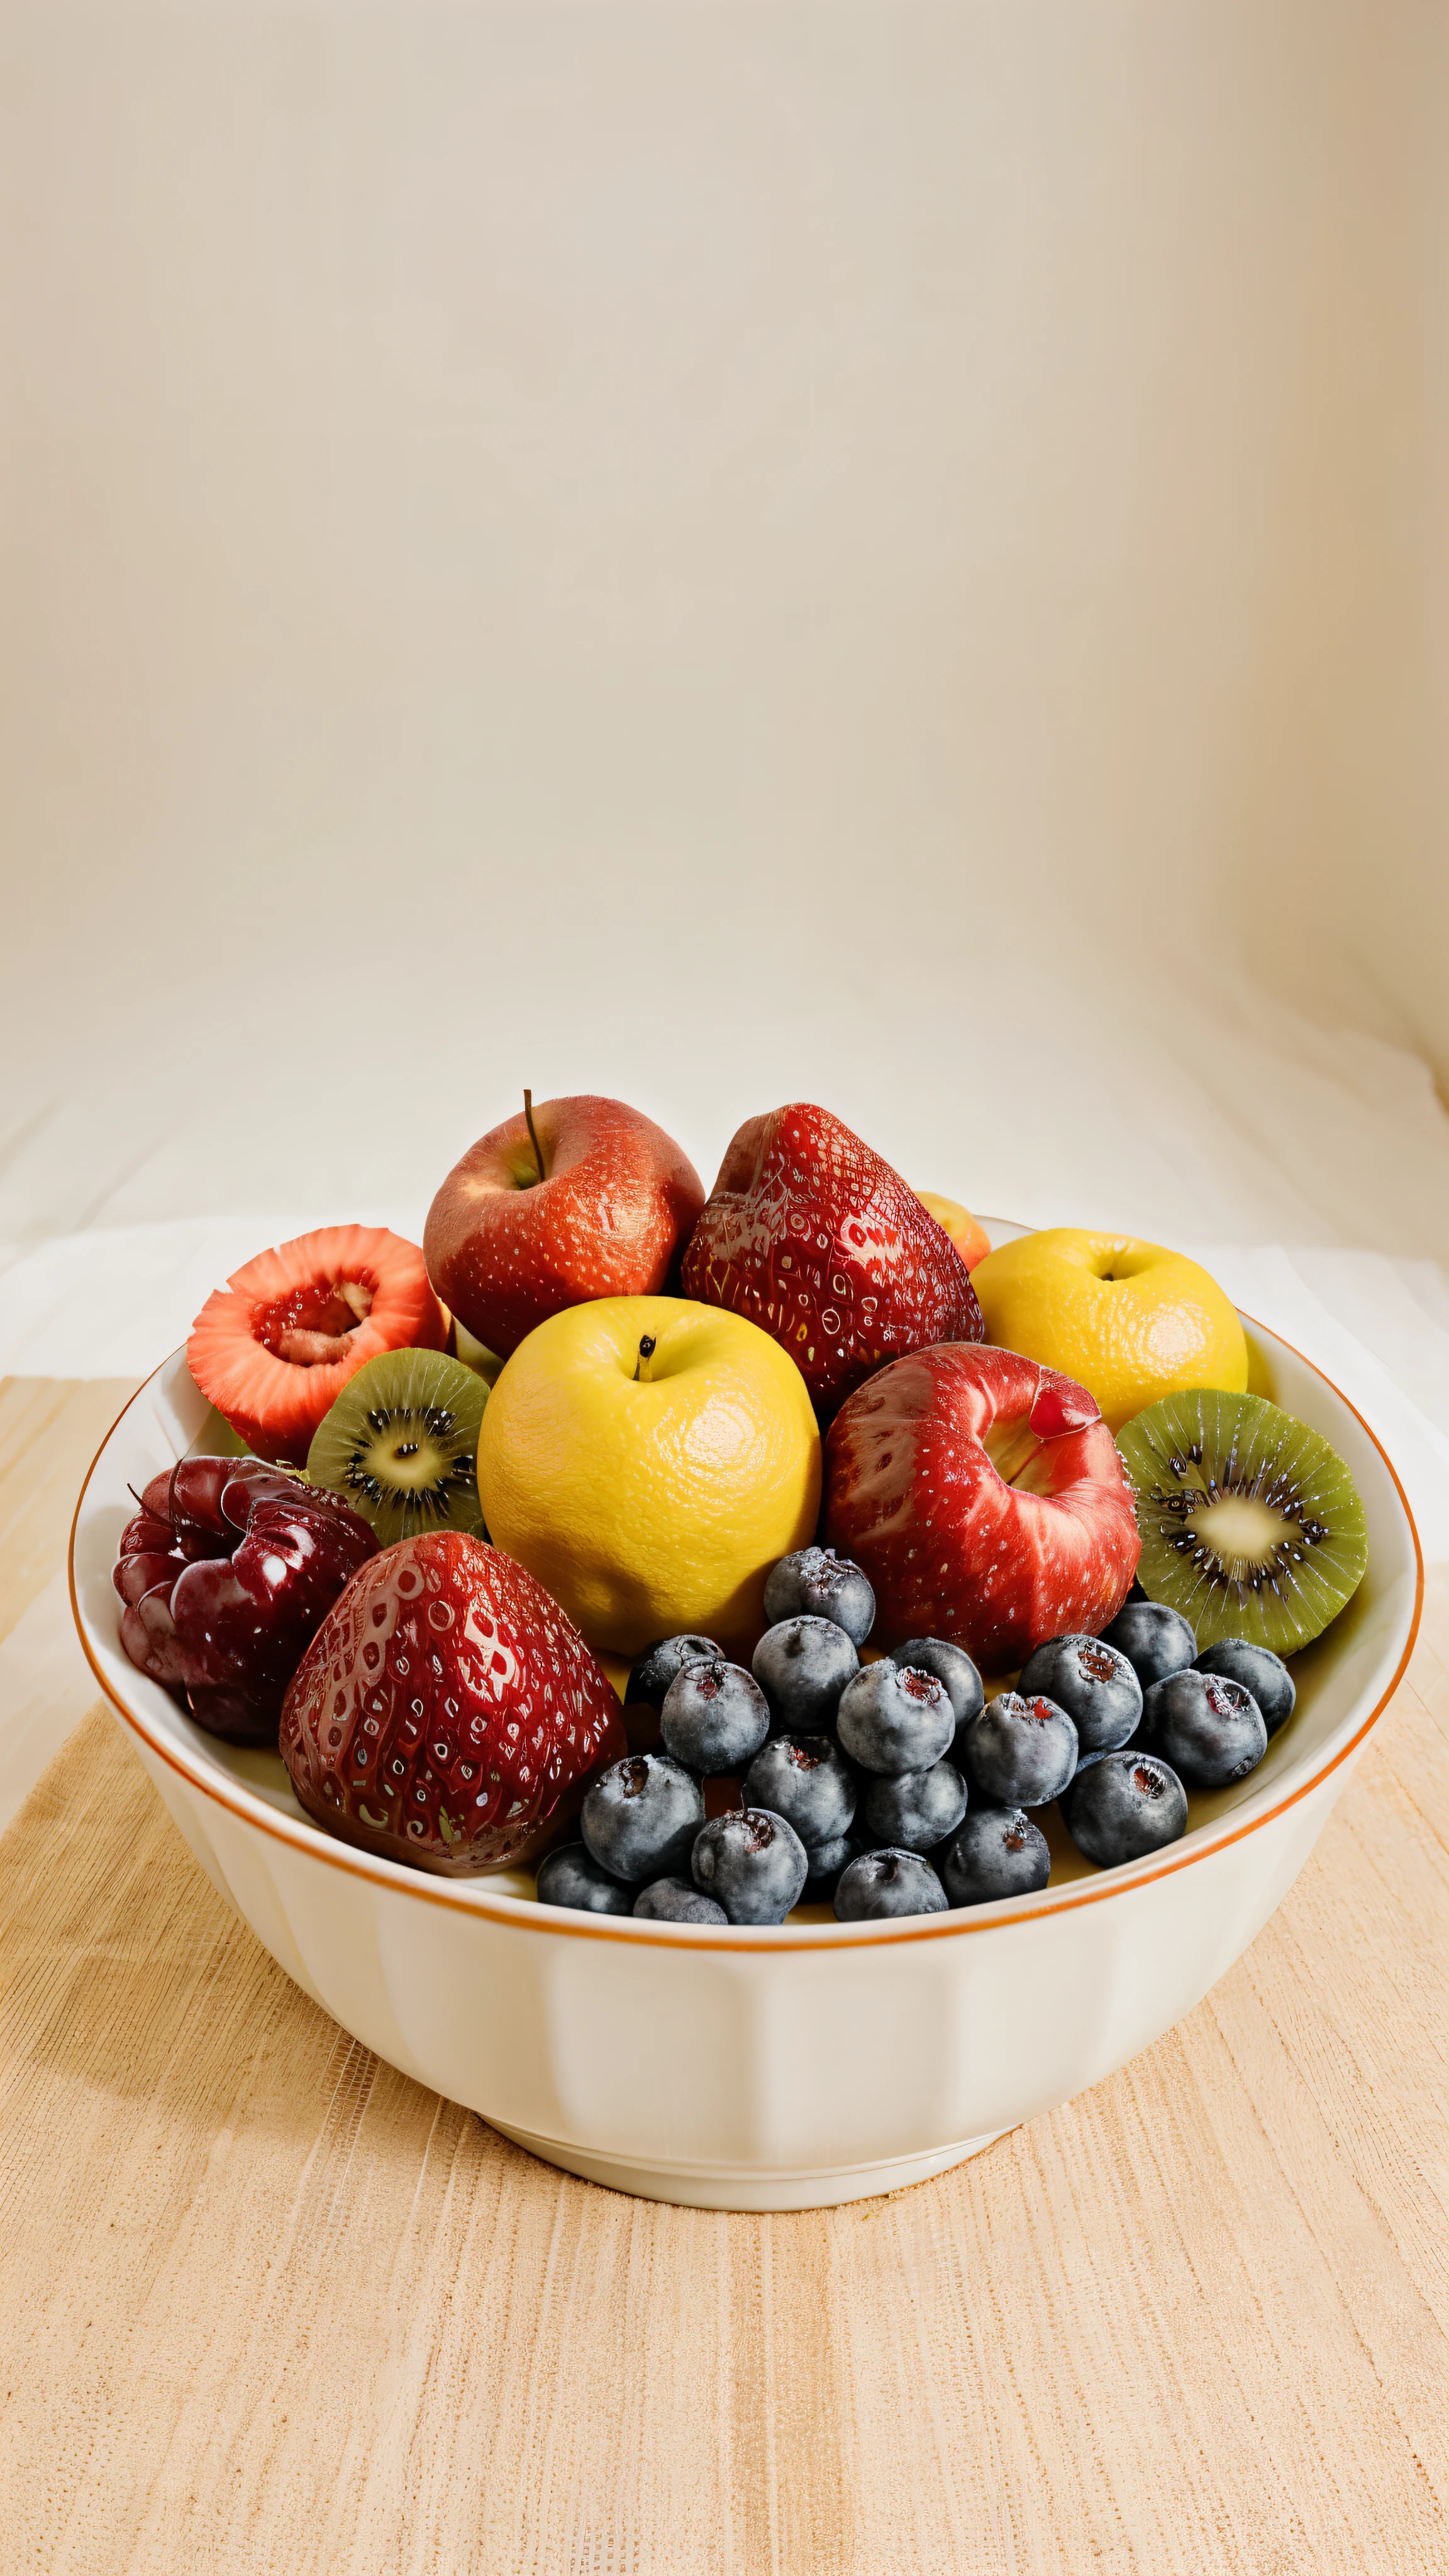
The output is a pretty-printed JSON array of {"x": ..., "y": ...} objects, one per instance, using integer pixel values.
[
  {"x": 895, "y": 1787},
  {"x": 1155, "y": 1719}
]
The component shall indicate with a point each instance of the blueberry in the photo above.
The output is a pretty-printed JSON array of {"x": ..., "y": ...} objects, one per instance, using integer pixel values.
[
  {"x": 914, "y": 1810},
  {"x": 1210, "y": 1730},
  {"x": 1261, "y": 1672},
  {"x": 752, "y": 1863},
  {"x": 997, "y": 1852},
  {"x": 570, "y": 1875},
  {"x": 802, "y": 1666},
  {"x": 807, "y": 1780},
  {"x": 1021, "y": 1752},
  {"x": 1093, "y": 1682},
  {"x": 952, "y": 1667},
  {"x": 714, "y": 1716},
  {"x": 825, "y": 1862},
  {"x": 671, "y": 1900},
  {"x": 657, "y": 1666},
  {"x": 822, "y": 1585},
  {"x": 882, "y": 1883},
  {"x": 1155, "y": 1640},
  {"x": 641, "y": 1816},
  {"x": 1125, "y": 1806},
  {"x": 893, "y": 1718}
]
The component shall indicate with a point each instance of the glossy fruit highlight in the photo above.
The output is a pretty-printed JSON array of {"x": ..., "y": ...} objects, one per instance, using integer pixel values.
[
  {"x": 227, "y": 1571},
  {"x": 985, "y": 1500},
  {"x": 447, "y": 1713},
  {"x": 509, "y": 1244},
  {"x": 819, "y": 1242}
]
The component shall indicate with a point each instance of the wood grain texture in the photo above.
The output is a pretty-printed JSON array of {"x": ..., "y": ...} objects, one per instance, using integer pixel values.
[
  {"x": 270, "y": 2307},
  {"x": 50, "y": 1429}
]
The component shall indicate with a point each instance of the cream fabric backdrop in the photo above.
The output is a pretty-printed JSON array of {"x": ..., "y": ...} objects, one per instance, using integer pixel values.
[{"x": 894, "y": 553}]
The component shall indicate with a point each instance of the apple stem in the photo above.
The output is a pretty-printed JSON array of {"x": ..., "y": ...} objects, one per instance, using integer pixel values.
[
  {"x": 641, "y": 1365},
  {"x": 533, "y": 1134}
]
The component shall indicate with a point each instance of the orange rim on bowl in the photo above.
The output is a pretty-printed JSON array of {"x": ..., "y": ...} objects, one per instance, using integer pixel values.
[{"x": 474, "y": 1898}]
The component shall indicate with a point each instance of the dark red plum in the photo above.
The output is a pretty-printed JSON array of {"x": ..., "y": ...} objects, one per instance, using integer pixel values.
[{"x": 227, "y": 1572}]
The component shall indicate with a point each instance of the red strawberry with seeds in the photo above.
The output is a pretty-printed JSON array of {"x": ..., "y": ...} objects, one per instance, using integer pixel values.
[
  {"x": 448, "y": 1713},
  {"x": 813, "y": 1237}
]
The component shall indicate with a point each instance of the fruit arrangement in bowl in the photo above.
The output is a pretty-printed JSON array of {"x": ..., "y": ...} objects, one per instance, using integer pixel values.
[{"x": 777, "y": 1552}]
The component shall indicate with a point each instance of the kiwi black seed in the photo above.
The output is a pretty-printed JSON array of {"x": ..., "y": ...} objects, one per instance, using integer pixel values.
[
  {"x": 401, "y": 1444},
  {"x": 1251, "y": 1525}
]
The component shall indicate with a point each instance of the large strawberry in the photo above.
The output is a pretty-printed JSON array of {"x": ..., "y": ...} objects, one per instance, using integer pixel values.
[
  {"x": 820, "y": 1243},
  {"x": 985, "y": 1499},
  {"x": 447, "y": 1712}
]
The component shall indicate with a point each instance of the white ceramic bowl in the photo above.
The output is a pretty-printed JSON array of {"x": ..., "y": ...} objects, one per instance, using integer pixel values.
[{"x": 785, "y": 2068}]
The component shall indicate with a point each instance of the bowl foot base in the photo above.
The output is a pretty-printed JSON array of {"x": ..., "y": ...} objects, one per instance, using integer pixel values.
[{"x": 743, "y": 2187}]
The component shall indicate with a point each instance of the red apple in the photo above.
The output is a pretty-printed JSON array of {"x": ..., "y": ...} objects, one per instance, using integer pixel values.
[
  {"x": 984, "y": 1497},
  {"x": 814, "y": 1238},
  {"x": 508, "y": 1244}
]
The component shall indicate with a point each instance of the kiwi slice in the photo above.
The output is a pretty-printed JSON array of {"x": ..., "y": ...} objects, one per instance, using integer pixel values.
[
  {"x": 1251, "y": 1525},
  {"x": 401, "y": 1444}
]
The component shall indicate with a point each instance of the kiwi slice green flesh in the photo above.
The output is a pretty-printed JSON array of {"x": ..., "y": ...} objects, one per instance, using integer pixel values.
[
  {"x": 401, "y": 1444},
  {"x": 1251, "y": 1525}
]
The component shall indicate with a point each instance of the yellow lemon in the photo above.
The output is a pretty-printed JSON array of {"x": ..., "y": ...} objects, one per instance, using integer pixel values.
[
  {"x": 1129, "y": 1321},
  {"x": 649, "y": 1459}
]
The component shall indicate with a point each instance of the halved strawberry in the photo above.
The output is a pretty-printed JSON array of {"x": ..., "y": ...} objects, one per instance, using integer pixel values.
[
  {"x": 447, "y": 1711},
  {"x": 274, "y": 1348}
]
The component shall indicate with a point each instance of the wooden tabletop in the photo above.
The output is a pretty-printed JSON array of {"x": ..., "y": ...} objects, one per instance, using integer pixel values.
[{"x": 270, "y": 2307}]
